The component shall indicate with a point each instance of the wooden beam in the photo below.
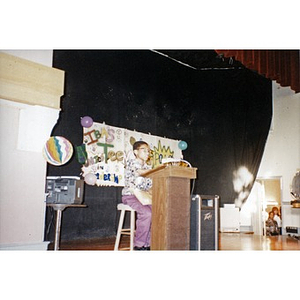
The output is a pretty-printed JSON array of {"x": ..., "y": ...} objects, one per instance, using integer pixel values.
[{"x": 29, "y": 82}]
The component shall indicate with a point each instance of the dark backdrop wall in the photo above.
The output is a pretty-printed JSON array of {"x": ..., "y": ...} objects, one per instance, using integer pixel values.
[{"x": 224, "y": 116}]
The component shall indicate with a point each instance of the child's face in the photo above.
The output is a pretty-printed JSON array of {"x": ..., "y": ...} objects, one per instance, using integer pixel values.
[{"x": 143, "y": 152}]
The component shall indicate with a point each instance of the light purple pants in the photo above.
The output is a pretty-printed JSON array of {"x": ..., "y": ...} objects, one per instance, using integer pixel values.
[{"x": 143, "y": 220}]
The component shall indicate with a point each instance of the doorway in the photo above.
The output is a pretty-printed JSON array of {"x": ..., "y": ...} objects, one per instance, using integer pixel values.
[
  {"x": 265, "y": 194},
  {"x": 270, "y": 196}
]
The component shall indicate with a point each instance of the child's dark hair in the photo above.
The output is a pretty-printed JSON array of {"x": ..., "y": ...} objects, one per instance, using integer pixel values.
[{"x": 138, "y": 144}]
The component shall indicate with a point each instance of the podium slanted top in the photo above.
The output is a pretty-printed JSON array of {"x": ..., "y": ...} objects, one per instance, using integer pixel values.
[{"x": 171, "y": 171}]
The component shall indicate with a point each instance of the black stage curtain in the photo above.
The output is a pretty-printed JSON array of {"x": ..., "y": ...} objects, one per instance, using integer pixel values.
[{"x": 224, "y": 115}]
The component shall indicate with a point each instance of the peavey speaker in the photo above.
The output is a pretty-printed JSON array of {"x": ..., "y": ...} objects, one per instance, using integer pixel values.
[{"x": 204, "y": 230}]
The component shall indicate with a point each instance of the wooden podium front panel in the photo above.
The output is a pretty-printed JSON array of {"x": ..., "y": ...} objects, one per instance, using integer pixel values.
[
  {"x": 178, "y": 212},
  {"x": 171, "y": 207},
  {"x": 159, "y": 212},
  {"x": 170, "y": 214}
]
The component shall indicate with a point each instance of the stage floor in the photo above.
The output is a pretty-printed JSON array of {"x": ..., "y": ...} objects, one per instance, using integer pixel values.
[{"x": 227, "y": 241}]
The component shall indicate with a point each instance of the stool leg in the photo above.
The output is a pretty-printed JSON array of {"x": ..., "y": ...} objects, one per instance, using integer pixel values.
[
  {"x": 132, "y": 228},
  {"x": 57, "y": 229},
  {"x": 120, "y": 226}
]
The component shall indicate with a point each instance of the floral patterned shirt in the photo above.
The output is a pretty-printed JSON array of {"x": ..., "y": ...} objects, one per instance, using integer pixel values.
[
  {"x": 133, "y": 179},
  {"x": 271, "y": 227}
]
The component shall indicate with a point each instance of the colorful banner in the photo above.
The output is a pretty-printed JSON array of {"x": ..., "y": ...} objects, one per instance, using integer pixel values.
[{"x": 107, "y": 149}]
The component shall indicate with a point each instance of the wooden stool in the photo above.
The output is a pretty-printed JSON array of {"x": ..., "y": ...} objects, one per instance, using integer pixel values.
[{"x": 130, "y": 231}]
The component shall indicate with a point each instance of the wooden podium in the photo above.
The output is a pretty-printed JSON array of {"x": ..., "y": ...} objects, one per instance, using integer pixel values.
[{"x": 171, "y": 204}]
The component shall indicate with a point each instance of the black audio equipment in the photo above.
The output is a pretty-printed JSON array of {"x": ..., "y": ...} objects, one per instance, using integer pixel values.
[
  {"x": 204, "y": 229},
  {"x": 64, "y": 190}
]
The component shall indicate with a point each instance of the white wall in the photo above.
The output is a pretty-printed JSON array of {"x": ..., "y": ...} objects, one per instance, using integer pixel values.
[
  {"x": 43, "y": 57},
  {"x": 24, "y": 129},
  {"x": 282, "y": 152},
  {"x": 281, "y": 157}
]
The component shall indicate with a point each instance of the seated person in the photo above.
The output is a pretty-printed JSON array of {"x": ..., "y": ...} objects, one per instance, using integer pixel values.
[
  {"x": 271, "y": 225},
  {"x": 134, "y": 168}
]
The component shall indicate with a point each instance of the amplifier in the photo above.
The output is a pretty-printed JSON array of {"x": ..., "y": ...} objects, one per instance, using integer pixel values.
[
  {"x": 292, "y": 229},
  {"x": 204, "y": 229},
  {"x": 64, "y": 190}
]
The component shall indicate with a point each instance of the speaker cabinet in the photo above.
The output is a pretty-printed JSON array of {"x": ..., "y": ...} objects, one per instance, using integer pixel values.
[{"x": 204, "y": 229}]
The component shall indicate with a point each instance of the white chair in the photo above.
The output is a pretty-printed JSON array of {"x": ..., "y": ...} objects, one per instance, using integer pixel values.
[{"x": 130, "y": 231}]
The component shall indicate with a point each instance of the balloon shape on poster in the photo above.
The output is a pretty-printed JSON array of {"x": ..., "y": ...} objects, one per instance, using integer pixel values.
[
  {"x": 86, "y": 121},
  {"x": 182, "y": 145},
  {"x": 90, "y": 179},
  {"x": 57, "y": 150}
]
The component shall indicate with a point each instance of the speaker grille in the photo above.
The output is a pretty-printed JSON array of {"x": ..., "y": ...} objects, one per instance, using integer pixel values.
[
  {"x": 204, "y": 231},
  {"x": 207, "y": 226}
]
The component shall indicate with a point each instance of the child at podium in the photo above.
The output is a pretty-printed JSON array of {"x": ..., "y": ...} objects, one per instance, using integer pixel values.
[{"x": 134, "y": 169}]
